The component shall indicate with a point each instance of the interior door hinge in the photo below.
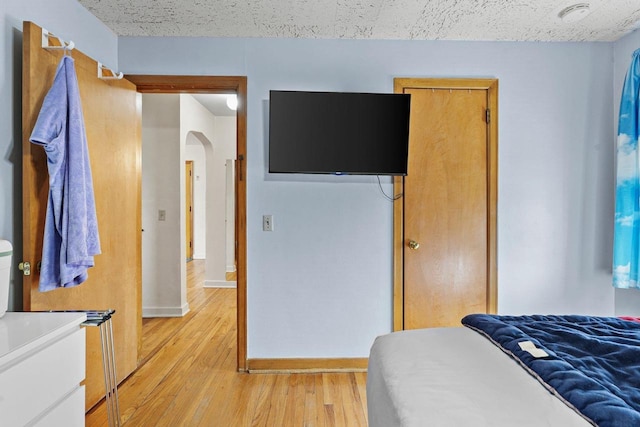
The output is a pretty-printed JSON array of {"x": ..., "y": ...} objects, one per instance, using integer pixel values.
[
  {"x": 488, "y": 115},
  {"x": 240, "y": 160}
]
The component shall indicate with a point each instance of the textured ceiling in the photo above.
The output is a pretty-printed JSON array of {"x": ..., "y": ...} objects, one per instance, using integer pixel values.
[{"x": 534, "y": 20}]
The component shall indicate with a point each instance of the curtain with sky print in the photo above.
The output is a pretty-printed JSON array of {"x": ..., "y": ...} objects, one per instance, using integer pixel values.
[{"x": 626, "y": 236}]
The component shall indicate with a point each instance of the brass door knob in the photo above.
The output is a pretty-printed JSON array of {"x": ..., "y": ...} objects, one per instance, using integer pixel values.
[{"x": 413, "y": 245}]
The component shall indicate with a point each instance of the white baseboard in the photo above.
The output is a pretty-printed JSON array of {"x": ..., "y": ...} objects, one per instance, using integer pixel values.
[
  {"x": 231, "y": 268},
  {"x": 199, "y": 256},
  {"x": 219, "y": 284},
  {"x": 165, "y": 311}
]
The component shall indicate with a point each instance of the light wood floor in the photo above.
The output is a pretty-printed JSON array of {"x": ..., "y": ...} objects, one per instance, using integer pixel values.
[{"x": 188, "y": 377}]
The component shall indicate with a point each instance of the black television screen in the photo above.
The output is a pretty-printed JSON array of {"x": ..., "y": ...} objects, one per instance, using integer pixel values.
[{"x": 338, "y": 132}]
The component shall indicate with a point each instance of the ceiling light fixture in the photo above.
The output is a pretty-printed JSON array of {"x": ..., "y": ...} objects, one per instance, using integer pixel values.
[
  {"x": 574, "y": 13},
  {"x": 232, "y": 102}
]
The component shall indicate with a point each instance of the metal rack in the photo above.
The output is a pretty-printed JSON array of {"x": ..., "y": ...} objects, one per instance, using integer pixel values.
[{"x": 102, "y": 320}]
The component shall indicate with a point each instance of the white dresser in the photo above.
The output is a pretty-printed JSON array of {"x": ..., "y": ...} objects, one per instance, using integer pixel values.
[{"x": 42, "y": 365}]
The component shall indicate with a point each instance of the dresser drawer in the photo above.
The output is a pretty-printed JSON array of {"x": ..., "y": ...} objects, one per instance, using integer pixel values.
[
  {"x": 40, "y": 380},
  {"x": 69, "y": 413}
]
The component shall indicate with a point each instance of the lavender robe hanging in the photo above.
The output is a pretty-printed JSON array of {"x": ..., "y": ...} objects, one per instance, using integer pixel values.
[{"x": 71, "y": 229}]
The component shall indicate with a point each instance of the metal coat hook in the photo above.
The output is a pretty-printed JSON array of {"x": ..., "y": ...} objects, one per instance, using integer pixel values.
[
  {"x": 46, "y": 36},
  {"x": 105, "y": 73}
]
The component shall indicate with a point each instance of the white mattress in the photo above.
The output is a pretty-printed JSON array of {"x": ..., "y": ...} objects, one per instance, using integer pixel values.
[{"x": 456, "y": 377}]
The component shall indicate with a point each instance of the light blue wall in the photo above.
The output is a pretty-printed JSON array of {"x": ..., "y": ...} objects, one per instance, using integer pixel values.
[
  {"x": 320, "y": 284},
  {"x": 627, "y": 301},
  {"x": 70, "y": 21}
]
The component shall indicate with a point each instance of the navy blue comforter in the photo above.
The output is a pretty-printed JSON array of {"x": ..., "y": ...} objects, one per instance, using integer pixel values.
[{"x": 593, "y": 362}]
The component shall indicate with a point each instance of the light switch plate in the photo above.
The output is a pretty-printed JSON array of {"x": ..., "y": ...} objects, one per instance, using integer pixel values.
[{"x": 267, "y": 222}]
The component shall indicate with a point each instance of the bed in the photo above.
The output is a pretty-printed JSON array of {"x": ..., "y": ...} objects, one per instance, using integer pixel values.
[{"x": 569, "y": 371}]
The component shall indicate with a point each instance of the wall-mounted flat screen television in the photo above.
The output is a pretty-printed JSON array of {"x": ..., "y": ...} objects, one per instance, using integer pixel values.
[{"x": 338, "y": 132}]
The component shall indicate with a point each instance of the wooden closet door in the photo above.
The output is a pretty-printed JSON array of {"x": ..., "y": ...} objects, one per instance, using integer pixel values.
[
  {"x": 446, "y": 248},
  {"x": 113, "y": 124}
]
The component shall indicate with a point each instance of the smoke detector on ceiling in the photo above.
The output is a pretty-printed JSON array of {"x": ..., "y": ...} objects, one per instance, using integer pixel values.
[{"x": 574, "y": 13}]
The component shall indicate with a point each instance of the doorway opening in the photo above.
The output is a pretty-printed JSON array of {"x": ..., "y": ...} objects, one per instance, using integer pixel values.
[{"x": 227, "y": 86}]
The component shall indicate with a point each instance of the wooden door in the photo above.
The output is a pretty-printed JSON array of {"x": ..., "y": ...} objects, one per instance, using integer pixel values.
[
  {"x": 188, "y": 172},
  {"x": 448, "y": 208},
  {"x": 112, "y": 120}
]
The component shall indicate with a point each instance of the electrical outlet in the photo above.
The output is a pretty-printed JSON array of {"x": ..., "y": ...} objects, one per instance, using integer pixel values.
[
  {"x": 162, "y": 215},
  {"x": 267, "y": 222}
]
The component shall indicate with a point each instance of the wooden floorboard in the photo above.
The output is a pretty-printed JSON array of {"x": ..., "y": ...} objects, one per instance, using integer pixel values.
[{"x": 187, "y": 376}]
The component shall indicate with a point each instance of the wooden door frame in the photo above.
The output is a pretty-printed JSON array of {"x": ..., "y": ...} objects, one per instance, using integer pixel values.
[
  {"x": 189, "y": 214},
  {"x": 491, "y": 86},
  {"x": 220, "y": 85}
]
